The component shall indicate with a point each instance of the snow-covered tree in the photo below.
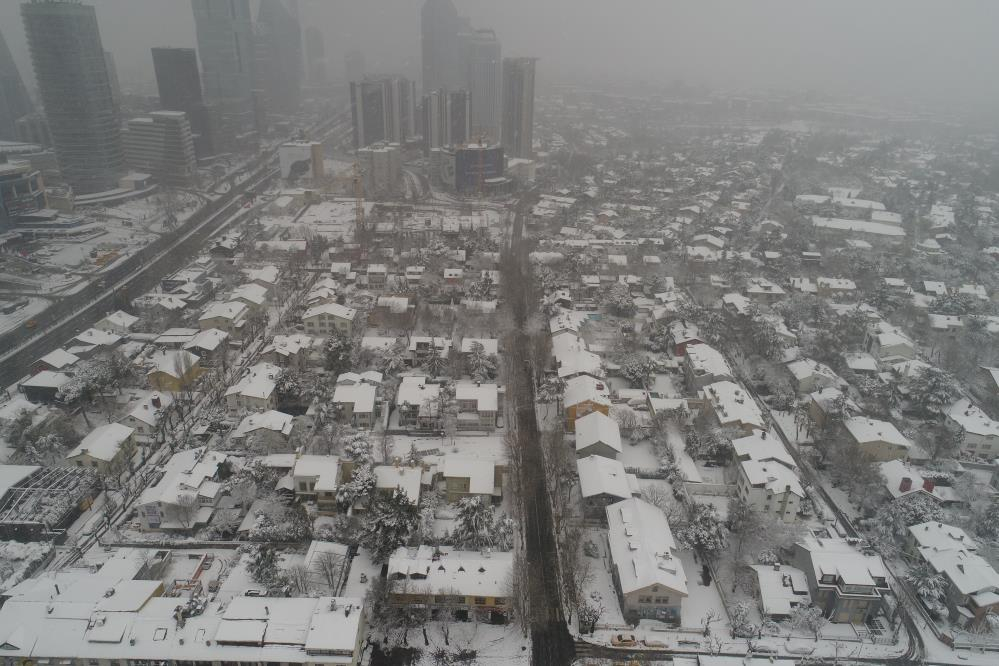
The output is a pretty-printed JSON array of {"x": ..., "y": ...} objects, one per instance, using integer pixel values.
[
  {"x": 360, "y": 486},
  {"x": 892, "y": 521},
  {"x": 926, "y": 582},
  {"x": 474, "y": 524},
  {"x": 481, "y": 366},
  {"x": 394, "y": 358},
  {"x": 357, "y": 448},
  {"x": 639, "y": 370},
  {"x": 435, "y": 364},
  {"x": 262, "y": 565},
  {"x": 390, "y": 524},
  {"x": 932, "y": 390},
  {"x": 337, "y": 353},
  {"x": 808, "y": 617},
  {"x": 618, "y": 300},
  {"x": 740, "y": 623},
  {"x": 702, "y": 530}
]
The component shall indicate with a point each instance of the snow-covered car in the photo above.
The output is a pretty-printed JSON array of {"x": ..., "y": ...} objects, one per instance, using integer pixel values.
[
  {"x": 652, "y": 643},
  {"x": 623, "y": 640}
]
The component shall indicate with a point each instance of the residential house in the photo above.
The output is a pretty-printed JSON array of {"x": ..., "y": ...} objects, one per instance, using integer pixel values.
[
  {"x": 981, "y": 433},
  {"x": 771, "y": 488},
  {"x": 255, "y": 390},
  {"x": 825, "y": 401},
  {"x": 684, "y": 334},
  {"x": 597, "y": 434},
  {"x": 323, "y": 320},
  {"x": 905, "y": 480},
  {"x": 173, "y": 370},
  {"x": 809, "y": 376},
  {"x": 403, "y": 478},
  {"x": 583, "y": 395},
  {"x": 119, "y": 323},
  {"x": 422, "y": 347},
  {"x": 764, "y": 291},
  {"x": 603, "y": 481},
  {"x": 478, "y": 405},
  {"x": 418, "y": 402},
  {"x": 210, "y": 347},
  {"x": 646, "y": 568},
  {"x": 229, "y": 317},
  {"x": 732, "y": 406},
  {"x": 315, "y": 479},
  {"x": 703, "y": 365},
  {"x": 471, "y": 585},
  {"x": 58, "y": 360},
  {"x": 146, "y": 416},
  {"x": 288, "y": 351},
  {"x": 43, "y": 386},
  {"x": 186, "y": 495},
  {"x": 847, "y": 584},
  {"x": 779, "y": 589},
  {"x": 471, "y": 477},
  {"x": 835, "y": 288},
  {"x": 106, "y": 449},
  {"x": 270, "y": 430},
  {"x": 176, "y": 338},
  {"x": 252, "y": 294},
  {"x": 355, "y": 403},
  {"x": 877, "y": 440}
]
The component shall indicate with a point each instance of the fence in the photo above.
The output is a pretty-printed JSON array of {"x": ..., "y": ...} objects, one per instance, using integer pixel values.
[{"x": 715, "y": 489}]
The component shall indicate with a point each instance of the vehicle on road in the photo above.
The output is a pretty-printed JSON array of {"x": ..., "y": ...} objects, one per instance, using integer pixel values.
[{"x": 624, "y": 640}]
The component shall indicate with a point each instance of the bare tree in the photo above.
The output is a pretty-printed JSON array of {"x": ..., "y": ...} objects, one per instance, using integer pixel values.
[
  {"x": 298, "y": 577},
  {"x": 186, "y": 509},
  {"x": 329, "y": 566}
]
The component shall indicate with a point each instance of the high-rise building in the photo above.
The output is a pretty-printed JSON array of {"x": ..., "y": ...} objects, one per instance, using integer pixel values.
[
  {"x": 66, "y": 53},
  {"x": 353, "y": 64},
  {"x": 225, "y": 45},
  {"x": 518, "y": 106},
  {"x": 315, "y": 57},
  {"x": 381, "y": 165},
  {"x": 485, "y": 83},
  {"x": 161, "y": 144},
  {"x": 383, "y": 109},
  {"x": 113, "y": 78},
  {"x": 278, "y": 57},
  {"x": 33, "y": 128},
  {"x": 446, "y": 118},
  {"x": 14, "y": 100},
  {"x": 442, "y": 34},
  {"x": 179, "y": 85}
]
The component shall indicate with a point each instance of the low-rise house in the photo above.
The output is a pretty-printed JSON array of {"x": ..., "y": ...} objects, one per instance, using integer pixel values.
[
  {"x": 847, "y": 584},
  {"x": 808, "y": 376},
  {"x": 583, "y": 395},
  {"x": 288, "y": 351},
  {"x": 764, "y": 291},
  {"x": 44, "y": 386},
  {"x": 945, "y": 326},
  {"x": 598, "y": 435},
  {"x": 861, "y": 363},
  {"x": 489, "y": 345},
  {"x": 270, "y": 430},
  {"x": 145, "y": 418},
  {"x": 736, "y": 304},
  {"x": 265, "y": 276},
  {"x": 703, "y": 365},
  {"x": 472, "y": 585},
  {"x": 826, "y": 401},
  {"x": 255, "y": 390},
  {"x": 175, "y": 338},
  {"x": 771, "y": 488},
  {"x": 981, "y": 433},
  {"x": 780, "y": 589},
  {"x": 762, "y": 446},
  {"x": 186, "y": 495},
  {"x": 684, "y": 334},
  {"x": 603, "y": 481},
  {"x": 229, "y": 317},
  {"x": 647, "y": 572},
  {"x": 355, "y": 403},
  {"x": 172, "y": 370},
  {"x": 471, "y": 477},
  {"x": 58, "y": 360},
  {"x": 106, "y": 449},
  {"x": 323, "y": 320},
  {"x": 835, "y": 287},
  {"x": 403, "y": 478},
  {"x": 418, "y": 402},
  {"x": 210, "y": 346},
  {"x": 905, "y": 480},
  {"x": 98, "y": 339},
  {"x": 478, "y": 405},
  {"x": 421, "y": 347},
  {"x": 252, "y": 294},
  {"x": 732, "y": 406},
  {"x": 119, "y": 323},
  {"x": 315, "y": 479},
  {"x": 877, "y": 440}
]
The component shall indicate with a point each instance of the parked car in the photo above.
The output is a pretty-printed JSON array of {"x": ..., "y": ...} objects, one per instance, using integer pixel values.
[
  {"x": 623, "y": 640},
  {"x": 652, "y": 643}
]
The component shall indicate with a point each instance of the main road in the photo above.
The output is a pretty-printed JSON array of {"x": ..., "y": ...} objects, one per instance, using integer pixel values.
[{"x": 551, "y": 643}]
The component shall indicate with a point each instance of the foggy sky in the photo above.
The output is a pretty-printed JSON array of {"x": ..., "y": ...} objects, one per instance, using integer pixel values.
[{"x": 924, "y": 50}]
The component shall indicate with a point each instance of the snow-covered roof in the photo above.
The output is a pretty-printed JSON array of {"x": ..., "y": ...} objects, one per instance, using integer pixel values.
[
  {"x": 250, "y": 292},
  {"x": 733, "y": 405},
  {"x": 642, "y": 548},
  {"x": 147, "y": 412},
  {"x": 447, "y": 571},
  {"x": 372, "y": 377},
  {"x": 98, "y": 338},
  {"x": 270, "y": 420},
  {"x": 762, "y": 446},
  {"x": 12, "y": 475},
  {"x": 836, "y": 284},
  {"x": 481, "y": 473},
  {"x": 415, "y": 390},
  {"x": 233, "y": 310},
  {"x": 864, "y": 430},
  {"x": 860, "y": 362},
  {"x": 208, "y": 340},
  {"x": 604, "y": 476},
  {"x": 597, "y": 428},
  {"x": 361, "y": 396},
  {"x": 289, "y": 345},
  {"x": 579, "y": 362},
  {"x": 332, "y": 309},
  {"x": 973, "y": 419},
  {"x": 172, "y": 362},
  {"x": 258, "y": 382},
  {"x": 103, "y": 442},
  {"x": 268, "y": 274},
  {"x": 858, "y": 226},
  {"x": 120, "y": 319},
  {"x": 582, "y": 388},
  {"x": 486, "y": 396},
  {"x": 189, "y": 472},
  {"x": 406, "y": 479},
  {"x": 325, "y": 469},
  {"x": 58, "y": 359},
  {"x": 781, "y": 588},
  {"x": 773, "y": 476},
  {"x": 968, "y": 572},
  {"x": 837, "y": 557},
  {"x": 377, "y": 343},
  {"x": 47, "y": 379},
  {"x": 938, "y": 536},
  {"x": 807, "y": 368},
  {"x": 706, "y": 360}
]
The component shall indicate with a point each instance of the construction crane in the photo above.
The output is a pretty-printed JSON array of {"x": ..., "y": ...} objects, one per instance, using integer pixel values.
[{"x": 358, "y": 206}]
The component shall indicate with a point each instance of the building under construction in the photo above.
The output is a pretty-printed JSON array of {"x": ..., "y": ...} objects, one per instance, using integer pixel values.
[
  {"x": 473, "y": 168},
  {"x": 39, "y": 503}
]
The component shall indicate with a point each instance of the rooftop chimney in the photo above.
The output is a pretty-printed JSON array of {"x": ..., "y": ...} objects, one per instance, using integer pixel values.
[
  {"x": 928, "y": 485},
  {"x": 905, "y": 485}
]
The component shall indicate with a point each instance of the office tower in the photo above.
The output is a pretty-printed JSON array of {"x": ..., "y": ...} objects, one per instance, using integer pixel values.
[
  {"x": 383, "y": 109},
  {"x": 353, "y": 63},
  {"x": 485, "y": 81},
  {"x": 179, "y": 86},
  {"x": 278, "y": 54},
  {"x": 518, "y": 106},
  {"x": 14, "y": 100},
  {"x": 315, "y": 57},
  {"x": 33, "y": 128},
  {"x": 161, "y": 145},
  {"x": 66, "y": 53},
  {"x": 225, "y": 46},
  {"x": 442, "y": 35},
  {"x": 113, "y": 78},
  {"x": 446, "y": 118},
  {"x": 381, "y": 164}
]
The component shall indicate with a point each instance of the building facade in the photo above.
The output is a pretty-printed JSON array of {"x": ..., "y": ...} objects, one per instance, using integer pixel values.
[
  {"x": 518, "y": 106},
  {"x": 161, "y": 144}
]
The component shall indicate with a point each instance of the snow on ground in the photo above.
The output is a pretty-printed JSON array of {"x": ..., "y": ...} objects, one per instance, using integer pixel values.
[
  {"x": 700, "y": 598},
  {"x": 599, "y": 587},
  {"x": 688, "y": 468},
  {"x": 18, "y": 559},
  {"x": 639, "y": 455},
  {"x": 720, "y": 502},
  {"x": 21, "y": 315},
  {"x": 361, "y": 565},
  {"x": 785, "y": 420},
  {"x": 664, "y": 384},
  {"x": 493, "y": 644}
]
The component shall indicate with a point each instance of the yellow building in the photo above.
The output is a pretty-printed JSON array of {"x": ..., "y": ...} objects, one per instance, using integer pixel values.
[{"x": 173, "y": 370}]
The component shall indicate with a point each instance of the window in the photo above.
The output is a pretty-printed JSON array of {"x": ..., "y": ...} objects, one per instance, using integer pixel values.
[{"x": 480, "y": 601}]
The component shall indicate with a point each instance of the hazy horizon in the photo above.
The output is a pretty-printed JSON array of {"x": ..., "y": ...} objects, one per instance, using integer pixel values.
[{"x": 926, "y": 51}]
